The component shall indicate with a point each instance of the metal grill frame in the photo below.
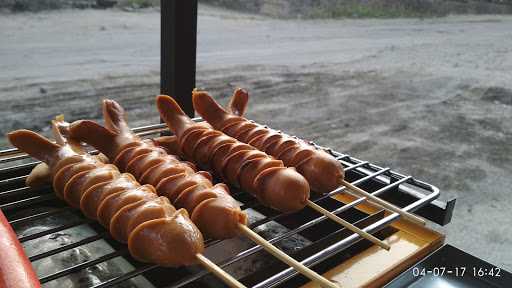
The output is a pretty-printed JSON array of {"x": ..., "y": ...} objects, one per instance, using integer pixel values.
[{"x": 394, "y": 184}]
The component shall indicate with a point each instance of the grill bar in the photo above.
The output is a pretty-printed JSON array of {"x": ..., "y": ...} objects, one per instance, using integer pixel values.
[
  {"x": 390, "y": 186},
  {"x": 53, "y": 230},
  {"x": 127, "y": 276},
  {"x": 26, "y": 202},
  {"x": 40, "y": 215},
  {"x": 16, "y": 191},
  {"x": 17, "y": 170},
  {"x": 9, "y": 152},
  {"x": 69, "y": 246},
  {"x": 83, "y": 265},
  {"x": 15, "y": 179},
  {"x": 13, "y": 158}
]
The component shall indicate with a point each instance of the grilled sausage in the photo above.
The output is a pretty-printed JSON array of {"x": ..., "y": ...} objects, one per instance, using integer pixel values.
[
  {"x": 155, "y": 231},
  {"x": 323, "y": 172},
  {"x": 211, "y": 207},
  {"x": 237, "y": 163}
]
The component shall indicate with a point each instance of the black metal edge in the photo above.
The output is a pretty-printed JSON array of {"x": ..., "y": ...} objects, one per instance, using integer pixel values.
[{"x": 437, "y": 211}]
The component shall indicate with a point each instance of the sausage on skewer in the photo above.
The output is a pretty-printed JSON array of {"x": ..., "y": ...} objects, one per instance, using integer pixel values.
[
  {"x": 243, "y": 166},
  {"x": 155, "y": 231},
  {"x": 211, "y": 207},
  {"x": 323, "y": 172},
  {"x": 239, "y": 164},
  {"x": 221, "y": 213}
]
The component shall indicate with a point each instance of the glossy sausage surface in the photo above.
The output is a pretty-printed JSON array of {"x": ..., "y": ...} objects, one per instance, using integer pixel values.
[
  {"x": 211, "y": 207},
  {"x": 155, "y": 231},
  {"x": 323, "y": 172},
  {"x": 235, "y": 162}
]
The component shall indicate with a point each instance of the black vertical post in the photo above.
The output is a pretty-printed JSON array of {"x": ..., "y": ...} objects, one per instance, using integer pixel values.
[{"x": 178, "y": 51}]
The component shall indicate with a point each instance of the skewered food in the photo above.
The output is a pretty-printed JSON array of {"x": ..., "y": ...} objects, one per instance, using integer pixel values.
[
  {"x": 172, "y": 143},
  {"x": 155, "y": 231},
  {"x": 323, "y": 172},
  {"x": 237, "y": 163},
  {"x": 216, "y": 212},
  {"x": 211, "y": 207}
]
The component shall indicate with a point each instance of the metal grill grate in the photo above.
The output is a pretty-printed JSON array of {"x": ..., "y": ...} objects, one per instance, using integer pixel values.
[{"x": 325, "y": 238}]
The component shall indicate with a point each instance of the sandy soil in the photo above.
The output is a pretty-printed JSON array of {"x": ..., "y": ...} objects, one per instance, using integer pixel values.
[{"x": 430, "y": 98}]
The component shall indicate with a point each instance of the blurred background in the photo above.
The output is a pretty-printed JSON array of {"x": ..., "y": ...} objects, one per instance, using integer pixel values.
[{"x": 422, "y": 86}]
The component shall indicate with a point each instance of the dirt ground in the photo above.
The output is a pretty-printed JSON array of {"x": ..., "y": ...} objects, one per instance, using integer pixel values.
[{"x": 431, "y": 98}]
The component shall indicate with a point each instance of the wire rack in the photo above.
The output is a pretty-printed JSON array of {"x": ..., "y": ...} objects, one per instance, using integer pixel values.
[{"x": 328, "y": 243}]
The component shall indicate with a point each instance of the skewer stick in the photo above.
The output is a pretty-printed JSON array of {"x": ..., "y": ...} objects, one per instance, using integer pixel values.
[
  {"x": 287, "y": 259},
  {"x": 217, "y": 271},
  {"x": 385, "y": 204},
  {"x": 348, "y": 225}
]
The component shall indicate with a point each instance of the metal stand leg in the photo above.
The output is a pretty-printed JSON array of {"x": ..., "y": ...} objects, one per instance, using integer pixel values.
[{"x": 178, "y": 51}]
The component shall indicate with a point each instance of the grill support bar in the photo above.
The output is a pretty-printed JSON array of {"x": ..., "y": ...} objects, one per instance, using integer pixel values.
[{"x": 178, "y": 51}]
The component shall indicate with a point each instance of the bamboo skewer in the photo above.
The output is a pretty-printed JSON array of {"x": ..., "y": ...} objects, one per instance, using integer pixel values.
[
  {"x": 349, "y": 225},
  {"x": 287, "y": 259},
  {"x": 217, "y": 271},
  {"x": 385, "y": 204}
]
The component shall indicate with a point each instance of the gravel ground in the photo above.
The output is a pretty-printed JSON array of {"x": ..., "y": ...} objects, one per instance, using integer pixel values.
[{"x": 431, "y": 98}]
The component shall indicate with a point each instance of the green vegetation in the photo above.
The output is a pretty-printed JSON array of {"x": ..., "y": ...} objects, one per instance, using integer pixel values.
[
  {"x": 31, "y": 5},
  {"x": 364, "y": 8},
  {"x": 139, "y": 3},
  {"x": 295, "y": 8},
  {"x": 360, "y": 10}
]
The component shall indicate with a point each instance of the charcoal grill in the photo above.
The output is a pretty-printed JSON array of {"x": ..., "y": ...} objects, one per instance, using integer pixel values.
[{"x": 327, "y": 242}]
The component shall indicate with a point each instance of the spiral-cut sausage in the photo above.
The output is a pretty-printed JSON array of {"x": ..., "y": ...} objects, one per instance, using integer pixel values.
[
  {"x": 211, "y": 207},
  {"x": 134, "y": 214},
  {"x": 237, "y": 163},
  {"x": 323, "y": 172}
]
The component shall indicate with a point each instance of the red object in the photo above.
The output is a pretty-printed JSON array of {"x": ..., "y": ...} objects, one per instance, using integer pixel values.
[{"x": 15, "y": 268}]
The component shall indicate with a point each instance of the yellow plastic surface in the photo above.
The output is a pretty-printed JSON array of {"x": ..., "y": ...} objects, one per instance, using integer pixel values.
[{"x": 374, "y": 266}]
